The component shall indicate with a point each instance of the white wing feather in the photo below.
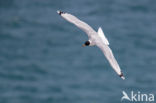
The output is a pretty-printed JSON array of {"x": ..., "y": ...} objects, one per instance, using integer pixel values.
[
  {"x": 80, "y": 24},
  {"x": 110, "y": 57}
]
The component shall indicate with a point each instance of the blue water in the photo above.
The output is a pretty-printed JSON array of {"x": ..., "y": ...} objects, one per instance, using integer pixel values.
[{"x": 42, "y": 61}]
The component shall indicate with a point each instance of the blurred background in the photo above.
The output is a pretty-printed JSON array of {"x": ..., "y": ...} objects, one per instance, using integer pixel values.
[{"x": 42, "y": 61}]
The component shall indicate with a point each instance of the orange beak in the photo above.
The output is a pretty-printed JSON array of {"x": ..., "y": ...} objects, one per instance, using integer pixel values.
[{"x": 83, "y": 45}]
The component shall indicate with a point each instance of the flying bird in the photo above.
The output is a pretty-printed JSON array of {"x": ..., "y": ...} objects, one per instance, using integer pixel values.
[{"x": 95, "y": 39}]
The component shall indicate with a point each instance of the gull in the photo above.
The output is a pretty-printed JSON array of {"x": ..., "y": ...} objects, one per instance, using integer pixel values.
[{"x": 95, "y": 39}]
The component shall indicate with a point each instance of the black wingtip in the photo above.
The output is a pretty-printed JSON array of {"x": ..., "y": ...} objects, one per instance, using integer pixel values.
[
  {"x": 59, "y": 12},
  {"x": 122, "y": 76}
]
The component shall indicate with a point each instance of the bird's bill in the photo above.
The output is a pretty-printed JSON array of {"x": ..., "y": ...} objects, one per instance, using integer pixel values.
[{"x": 83, "y": 45}]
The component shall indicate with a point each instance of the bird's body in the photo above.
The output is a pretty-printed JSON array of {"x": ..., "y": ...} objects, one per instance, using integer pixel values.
[{"x": 95, "y": 39}]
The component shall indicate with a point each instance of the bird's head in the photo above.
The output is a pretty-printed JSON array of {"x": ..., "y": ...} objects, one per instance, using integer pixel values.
[{"x": 87, "y": 43}]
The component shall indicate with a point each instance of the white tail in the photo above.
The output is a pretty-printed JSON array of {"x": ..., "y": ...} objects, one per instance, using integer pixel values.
[{"x": 101, "y": 34}]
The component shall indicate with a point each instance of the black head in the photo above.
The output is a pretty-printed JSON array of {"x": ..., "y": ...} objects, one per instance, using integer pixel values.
[{"x": 87, "y": 43}]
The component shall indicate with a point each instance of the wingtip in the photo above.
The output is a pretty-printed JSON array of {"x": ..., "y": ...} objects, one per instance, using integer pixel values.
[
  {"x": 59, "y": 12},
  {"x": 122, "y": 76}
]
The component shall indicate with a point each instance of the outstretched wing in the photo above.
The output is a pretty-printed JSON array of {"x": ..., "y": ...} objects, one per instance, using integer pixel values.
[
  {"x": 110, "y": 57},
  {"x": 80, "y": 24}
]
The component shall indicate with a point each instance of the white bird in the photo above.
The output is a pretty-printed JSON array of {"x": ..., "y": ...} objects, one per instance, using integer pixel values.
[{"x": 95, "y": 39}]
